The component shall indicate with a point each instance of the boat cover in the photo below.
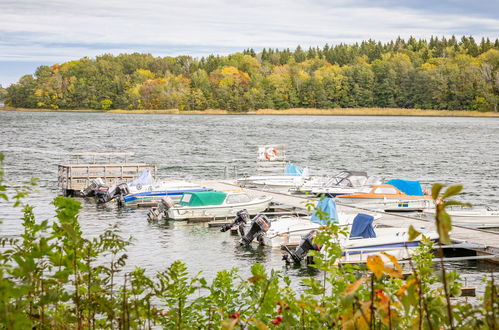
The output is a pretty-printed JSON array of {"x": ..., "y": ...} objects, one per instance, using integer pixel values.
[
  {"x": 362, "y": 226},
  {"x": 203, "y": 198},
  {"x": 412, "y": 188},
  {"x": 145, "y": 178},
  {"x": 327, "y": 208},
  {"x": 292, "y": 170}
]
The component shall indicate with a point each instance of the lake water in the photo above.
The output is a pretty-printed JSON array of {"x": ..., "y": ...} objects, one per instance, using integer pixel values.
[{"x": 445, "y": 150}]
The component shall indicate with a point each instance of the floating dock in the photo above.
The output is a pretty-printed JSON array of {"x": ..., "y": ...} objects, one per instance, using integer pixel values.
[
  {"x": 482, "y": 243},
  {"x": 112, "y": 167}
]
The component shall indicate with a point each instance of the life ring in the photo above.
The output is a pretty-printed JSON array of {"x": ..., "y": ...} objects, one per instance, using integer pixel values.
[
  {"x": 271, "y": 154},
  {"x": 138, "y": 186}
]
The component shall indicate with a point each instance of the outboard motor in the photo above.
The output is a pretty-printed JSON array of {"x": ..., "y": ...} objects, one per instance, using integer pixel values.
[
  {"x": 240, "y": 221},
  {"x": 161, "y": 211},
  {"x": 92, "y": 187},
  {"x": 259, "y": 227},
  {"x": 301, "y": 252},
  {"x": 121, "y": 191},
  {"x": 105, "y": 194}
]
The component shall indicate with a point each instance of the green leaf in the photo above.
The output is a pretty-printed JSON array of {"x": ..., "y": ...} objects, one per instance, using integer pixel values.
[
  {"x": 456, "y": 203},
  {"x": 452, "y": 191},
  {"x": 413, "y": 233},
  {"x": 435, "y": 190},
  {"x": 444, "y": 227},
  {"x": 256, "y": 278}
]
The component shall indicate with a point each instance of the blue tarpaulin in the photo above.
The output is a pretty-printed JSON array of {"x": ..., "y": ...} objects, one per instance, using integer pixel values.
[
  {"x": 362, "y": 226},
  {"x": 292, "y": 170},
  {"x": 328, "y": 206},
  {"x": 412, "y": 188},
  {"x": 145, "y": 178}
]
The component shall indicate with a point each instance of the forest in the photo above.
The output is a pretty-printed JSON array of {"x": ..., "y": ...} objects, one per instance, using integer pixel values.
[{"x": 440, "y": 73}]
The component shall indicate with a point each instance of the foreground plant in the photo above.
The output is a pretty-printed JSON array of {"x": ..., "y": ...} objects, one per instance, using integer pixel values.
[{"x": 54, "y": 277}]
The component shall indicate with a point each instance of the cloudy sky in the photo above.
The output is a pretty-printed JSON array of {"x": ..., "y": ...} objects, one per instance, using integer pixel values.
[{"x": 34, "y": 32}]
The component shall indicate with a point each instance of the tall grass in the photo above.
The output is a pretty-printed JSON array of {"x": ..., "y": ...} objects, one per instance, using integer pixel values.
[{"x": 293, "y": 111}]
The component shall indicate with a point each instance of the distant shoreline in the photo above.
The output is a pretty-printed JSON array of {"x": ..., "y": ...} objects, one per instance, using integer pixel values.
[{"x": 295, "y": 111}]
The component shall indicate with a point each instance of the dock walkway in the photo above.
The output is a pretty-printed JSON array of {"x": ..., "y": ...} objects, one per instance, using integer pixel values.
[{"x": 481, "y": 241}]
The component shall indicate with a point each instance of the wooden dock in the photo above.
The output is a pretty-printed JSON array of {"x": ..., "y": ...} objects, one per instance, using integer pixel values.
[
  {"x": 75, "y": 176},
  {"x": 481, "y": 241}
]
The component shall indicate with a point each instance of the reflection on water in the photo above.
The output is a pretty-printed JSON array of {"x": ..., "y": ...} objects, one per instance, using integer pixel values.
[{"x": 447, "y": 150}]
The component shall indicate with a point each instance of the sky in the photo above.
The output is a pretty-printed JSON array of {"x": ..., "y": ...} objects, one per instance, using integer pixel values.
[{"x": 34, "y": 32}]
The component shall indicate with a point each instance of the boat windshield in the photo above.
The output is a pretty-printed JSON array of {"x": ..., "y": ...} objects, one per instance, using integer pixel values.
[
  {"x": 372, "y": 180},
  {"x": 386, "y": 191},
  {"x": 337, "y": 179},
  {"x": 356, "y": 180},
  {"x": 238, "y": 199},
  {"x": 365, "y": 190},
  {"x": 347, "y": 179}
]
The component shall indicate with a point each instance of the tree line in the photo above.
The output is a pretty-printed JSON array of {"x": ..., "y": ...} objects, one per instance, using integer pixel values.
[
  {"x": 3, "y": 93},
  {"x": 440, "y": 73}
]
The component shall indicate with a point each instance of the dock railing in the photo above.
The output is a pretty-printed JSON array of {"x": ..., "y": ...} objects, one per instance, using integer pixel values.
[{"x": 75, "y": 176}]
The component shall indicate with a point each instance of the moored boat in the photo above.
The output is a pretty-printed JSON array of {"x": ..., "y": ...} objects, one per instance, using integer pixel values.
[
  {"x": 472, "y": 217},
  {"x": 394, "y": 195},
  {"x": 155, "y": 192},
  {"x": 344, "y": 183},
  {"x": 363, "y": 240},
  {"x": 216, "y": 204},
  {"x": 293, "y": 177}
]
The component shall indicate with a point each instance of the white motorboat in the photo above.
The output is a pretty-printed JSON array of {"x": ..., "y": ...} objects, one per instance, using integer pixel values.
[
  {"x": 393, "y": 196},
  {"x": 154, "y": 192},
  {"x": 294, "y": 177},
  {"x": 143, "y": 190},
  {"x": 344, "y": 183},
  {"x": 216, "y": 204},
  {"x": 394, "y": 241},
  {"x": 290, "y": 230},
  {"x": 364, "y": 239},
  {"x": 471, "y": 217}
]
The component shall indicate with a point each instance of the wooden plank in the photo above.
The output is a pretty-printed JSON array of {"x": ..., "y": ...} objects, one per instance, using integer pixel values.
[
  {"x": 201, "y": 219},
  {"x": 215, "y": 224}
]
